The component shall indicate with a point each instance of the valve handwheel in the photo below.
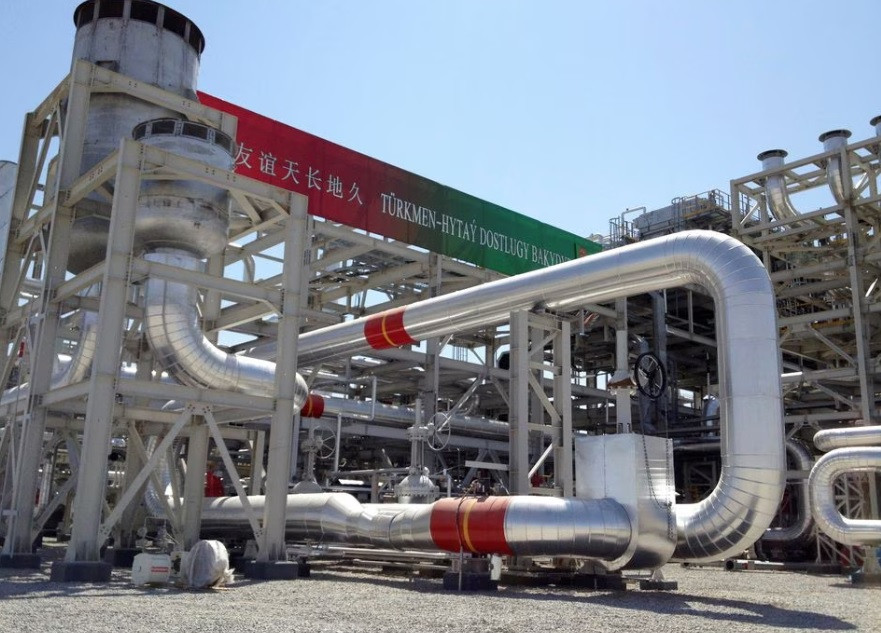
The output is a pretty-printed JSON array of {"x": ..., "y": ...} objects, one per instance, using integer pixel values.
[
  {"x": 649, "y": 375},
  {"x": 439, "y": 439}
]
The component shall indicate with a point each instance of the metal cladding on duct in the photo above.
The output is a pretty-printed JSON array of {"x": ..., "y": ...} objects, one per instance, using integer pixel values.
[
  {"x": 829, "y": 439},
  {"x": 76, "y": 368},
  {"x": 171, "y": 322},
  {"x": 147, "y": 42},
  {"x": 835, "y": 140},
  {"x": 597, "y": 529},
  {"x": 822, "y": 480},
  {"x": 752, "y": 480},
  {"x": 775, "y": 185},
  {"x": 804, "y": 522}
]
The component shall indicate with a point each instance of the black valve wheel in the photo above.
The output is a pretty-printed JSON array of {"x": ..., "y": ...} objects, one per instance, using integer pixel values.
[{"x": 649, "y": 375}]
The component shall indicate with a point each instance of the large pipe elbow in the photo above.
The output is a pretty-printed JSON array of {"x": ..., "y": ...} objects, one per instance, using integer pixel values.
[
  {"x": 826, "y": 514},
  {"x": 801, "y": 527},
  {"x": 171, "y": 322}
]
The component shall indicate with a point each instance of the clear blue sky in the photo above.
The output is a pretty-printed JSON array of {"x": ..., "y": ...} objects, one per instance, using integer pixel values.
[{"x": 567, "y": 111}]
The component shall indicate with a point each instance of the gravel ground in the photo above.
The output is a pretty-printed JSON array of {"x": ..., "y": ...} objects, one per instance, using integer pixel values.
[{"x": 708, "y": 599}]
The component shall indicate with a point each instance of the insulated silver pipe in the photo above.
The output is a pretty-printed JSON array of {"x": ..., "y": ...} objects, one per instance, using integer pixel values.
[
  {"x": 826, "y": 514},
  {"x": 835, "y": 140},
  {"x": 72, "y": 370},
  {"x": 829, "y": 439},
  {"x": 523, "y": 526},
  {"x": 801, "y": 457},
  {"x": 775, "y": 185},
  {"x": 745, "y": 500},
  {"x": 171, "y": 322},
  {"x": 403, "y": 416},
  {"x": 804, "y": 522}
]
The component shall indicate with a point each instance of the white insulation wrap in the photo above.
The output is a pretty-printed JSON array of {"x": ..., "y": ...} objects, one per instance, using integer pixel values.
[{"x": 206, "y": 565}]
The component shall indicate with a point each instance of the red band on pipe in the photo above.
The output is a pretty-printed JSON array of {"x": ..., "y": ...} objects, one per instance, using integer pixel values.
[
  {"x": 470, "y": 524},
  {"x": 386, "y": 329},
  {"x": 314, "y": 407}
]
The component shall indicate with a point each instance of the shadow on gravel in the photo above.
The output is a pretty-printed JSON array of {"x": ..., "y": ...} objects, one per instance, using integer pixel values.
[{"x": 719, "y": 610}]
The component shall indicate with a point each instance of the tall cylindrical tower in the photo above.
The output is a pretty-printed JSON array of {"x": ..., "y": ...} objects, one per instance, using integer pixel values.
[{"x": 148, "y": 42}]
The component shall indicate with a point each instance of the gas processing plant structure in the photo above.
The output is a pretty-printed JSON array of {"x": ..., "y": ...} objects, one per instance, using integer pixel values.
[{"x": 219, "y": 326}]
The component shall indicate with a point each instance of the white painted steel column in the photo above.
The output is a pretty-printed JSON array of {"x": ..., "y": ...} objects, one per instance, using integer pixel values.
[
  {"x": 564, "y": 458},
  {"x": 125, "y": 531},
  {"x": 92, "y": 481},
  {"x": 272, "y": 546},
  {"x": 623, "y": 411},
  {"x": 258, "y": 447},
  {"x": 194, "y": 484},
  {"x": 18, "y": 540},
  {"x": 518, "y": 411},
  {"x": 24, "y": 490}
]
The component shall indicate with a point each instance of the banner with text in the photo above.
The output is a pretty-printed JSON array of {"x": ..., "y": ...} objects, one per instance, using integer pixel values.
[{"x": 353, "y": 189}]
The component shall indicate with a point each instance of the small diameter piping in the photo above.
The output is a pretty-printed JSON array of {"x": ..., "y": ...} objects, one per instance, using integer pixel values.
[{"x": 317, "y": 405}]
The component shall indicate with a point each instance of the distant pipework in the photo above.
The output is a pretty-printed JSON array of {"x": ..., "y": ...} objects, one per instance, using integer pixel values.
[
  {"x": 779, "y": 205},
  {"x": 835, "y": 176}
]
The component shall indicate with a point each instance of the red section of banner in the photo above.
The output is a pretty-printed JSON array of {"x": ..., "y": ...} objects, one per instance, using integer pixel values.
[
  {"x": 342, "y": 185},
  {"x": 386, "y": 329},
  {"x": 470, "y": 524},
  {"x": 314, "y": 407}
]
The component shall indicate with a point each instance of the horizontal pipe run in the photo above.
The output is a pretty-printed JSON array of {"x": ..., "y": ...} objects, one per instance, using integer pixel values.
[
  {"x": 828, "y": 439},
  {"x": 518, "y": 525}
]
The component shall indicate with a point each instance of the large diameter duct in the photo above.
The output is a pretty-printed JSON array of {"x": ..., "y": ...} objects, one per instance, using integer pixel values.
[
  {"x": 74, "y": 369},
  {"x": 803, "y": 461},
  {"x": 752, "y": 480},
  {"x": 830, "y": 466},
  {"x": 834, "y": 140},
  {"x": 519, "y": 526},
  {"x": 184, "y": 214},
  {"x": 171, "y": 322},
  {"x": 147, "y": 42},
  {"x": 800, "y": 528},
  {"x": 775, "y": 185},
  {"x": 829, "y": 439}
]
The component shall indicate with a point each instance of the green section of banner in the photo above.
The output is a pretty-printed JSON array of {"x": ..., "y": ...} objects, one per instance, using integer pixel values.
[{"x": 459, "y": 225}]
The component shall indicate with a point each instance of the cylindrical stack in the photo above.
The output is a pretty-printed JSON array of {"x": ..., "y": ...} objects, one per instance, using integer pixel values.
[
  {"x": 145, "y": 41},
  {"x": 184, "y": 214}
]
